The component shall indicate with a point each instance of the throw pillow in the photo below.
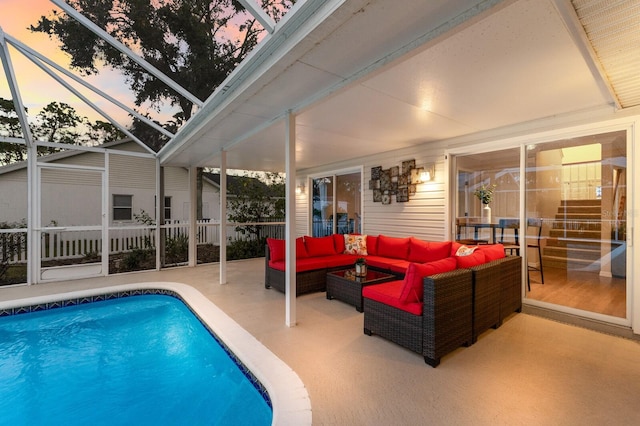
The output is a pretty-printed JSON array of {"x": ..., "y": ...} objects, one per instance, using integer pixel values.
[
  {"x": 355, "y": 244},
  {"x": 427, "y": 251},
  {"x": 465, "y": 251},
  {"x": 301, "y": 250},
  {"x": 492, "y": 251},
  {"x": 470, "y": 260},
  {"x": 372, "y": 245},
  {"x": 276, "y": 249},
  {"x": 413, "y": 289},
  {"x": 320, "y": 246},
  {"x": 338, "y": 243},
  {"x": 393, "y": 247}
]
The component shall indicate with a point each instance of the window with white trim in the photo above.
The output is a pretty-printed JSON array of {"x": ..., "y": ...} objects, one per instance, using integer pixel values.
[{"x": 122, "y": 207}]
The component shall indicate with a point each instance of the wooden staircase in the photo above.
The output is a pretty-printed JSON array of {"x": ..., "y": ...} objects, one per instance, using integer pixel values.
[{"x": 574, "y": 239}]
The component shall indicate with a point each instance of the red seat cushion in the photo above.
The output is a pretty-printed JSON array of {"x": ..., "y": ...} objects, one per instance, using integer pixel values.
[
  {"x": 277, "y": 264},
  {"x": 381, "y": 262},
  {"x": 396, "y": 248},
  {"x": 492, "y": 251},
  {"x": 427, "y": 251},
  {"x": 311, "y": 264},
  {"x": 320, "y": 246},
  {"x": 338, "y": 260},
  {"x": 400, "y": 266},
  {"x": 389, "y": 294},
  {"x": 413, "y": 288},
  {"x": 276, "y": 249}
]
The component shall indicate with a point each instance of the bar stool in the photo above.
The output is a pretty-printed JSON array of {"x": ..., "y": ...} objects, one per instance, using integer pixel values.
[{"x": 534, "y": 234}]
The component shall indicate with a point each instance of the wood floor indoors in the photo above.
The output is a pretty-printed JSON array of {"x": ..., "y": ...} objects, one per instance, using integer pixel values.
[{"x": 587, "y": 291}]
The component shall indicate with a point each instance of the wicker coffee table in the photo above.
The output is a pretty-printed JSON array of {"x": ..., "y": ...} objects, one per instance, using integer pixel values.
[{"x": 344, "y": 285}]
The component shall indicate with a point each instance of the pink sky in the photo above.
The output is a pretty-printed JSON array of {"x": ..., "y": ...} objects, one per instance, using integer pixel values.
[{"x": 36, "y": 87}]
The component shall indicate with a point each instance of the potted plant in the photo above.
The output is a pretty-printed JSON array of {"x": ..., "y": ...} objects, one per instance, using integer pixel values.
[
  {"x": 485, "y": 195},
  {"x": 361, "y": 267}
]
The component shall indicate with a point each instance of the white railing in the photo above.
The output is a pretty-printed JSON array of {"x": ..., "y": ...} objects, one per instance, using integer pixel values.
[
  {"x": 68, "y": 244},
  {"x": 13, "y": 245}
]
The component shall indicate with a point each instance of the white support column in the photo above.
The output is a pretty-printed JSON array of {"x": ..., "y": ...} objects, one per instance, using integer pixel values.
[
  {"x": 290, "y": 222},
  {"x": 105, "y": 215},
  {"x": 193, "y": 216},
  {"x": 33, "y": 194},
  {"x": 159, "y": 214},
  {"x": 33, "y": 213},
  {"x": 633, "y": 273},
  {"x": 223, "y": 217}
]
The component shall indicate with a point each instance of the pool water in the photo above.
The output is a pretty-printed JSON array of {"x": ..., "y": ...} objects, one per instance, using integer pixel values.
[{"x": 135, "y": 360}]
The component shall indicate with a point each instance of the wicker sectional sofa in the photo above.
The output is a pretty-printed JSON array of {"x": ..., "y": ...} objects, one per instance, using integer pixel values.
[
  {"x": 444, "y": 297},
  {"x": 315, "y": 256},
  {"x": 455, "y": 308}
]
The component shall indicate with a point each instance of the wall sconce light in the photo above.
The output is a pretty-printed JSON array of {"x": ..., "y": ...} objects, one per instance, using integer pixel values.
[
  {"x": 427, "y": 173},
  {"x": 300, "y": 189}
]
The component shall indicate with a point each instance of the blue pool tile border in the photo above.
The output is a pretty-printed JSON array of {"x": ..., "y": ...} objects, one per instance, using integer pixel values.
[{"x": 142, "y": 292}]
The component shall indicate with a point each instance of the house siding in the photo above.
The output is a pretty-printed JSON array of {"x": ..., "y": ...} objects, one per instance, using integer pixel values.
[
  {"x": 423, "y": 216},
  {"x": 124, "y": 171},
  {"x": 72, "y": 197},
  {"x": 13, "y": 196}
]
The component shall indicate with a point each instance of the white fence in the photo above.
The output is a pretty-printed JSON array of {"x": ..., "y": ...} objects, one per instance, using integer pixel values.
[{"x": 65, "y": 244}]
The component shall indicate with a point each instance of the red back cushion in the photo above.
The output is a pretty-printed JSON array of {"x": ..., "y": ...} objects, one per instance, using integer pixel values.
[
  {"x": 276, "y": 249},
  {"x": 338, "y": 243},
  {"x": 428, "y": 251},
  {"x": 454, "y": 247},
  {"x": 301, "y": 249},
  {"x": 393, "y": 247},
  {"x": 413, "y": 289},
  {"x": 320, "y": 246},
  {"x": 492, "y": 251},
  {"x": 474, "y": 259},
  {"x": 372, "y": 245}
]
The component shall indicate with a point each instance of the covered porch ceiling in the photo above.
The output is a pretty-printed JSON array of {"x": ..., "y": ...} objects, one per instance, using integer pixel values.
[{"x": 368, "y": 76}]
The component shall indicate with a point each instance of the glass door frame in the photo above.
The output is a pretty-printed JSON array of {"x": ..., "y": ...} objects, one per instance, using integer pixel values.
[
  {"x": 334, "y": 174},
  {"x": 632, "y": 298}
]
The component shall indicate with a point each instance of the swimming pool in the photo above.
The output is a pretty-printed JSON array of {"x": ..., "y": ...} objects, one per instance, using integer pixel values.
[{"x": 269, "y": 375}]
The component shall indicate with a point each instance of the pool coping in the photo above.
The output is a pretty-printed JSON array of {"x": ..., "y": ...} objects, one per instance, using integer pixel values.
[{"x": 289, "y": 397}]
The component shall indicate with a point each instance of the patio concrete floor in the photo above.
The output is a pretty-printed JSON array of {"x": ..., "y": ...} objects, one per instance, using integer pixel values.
[{"x": 530, "y": 371}]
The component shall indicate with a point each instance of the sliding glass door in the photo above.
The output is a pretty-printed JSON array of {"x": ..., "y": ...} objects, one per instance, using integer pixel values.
[
  {"x": 577, "y": 192},
  {"x": 573, "y": 231},
  {"x": 337, "y": 204},
  {"x": 495, "y": 175}
]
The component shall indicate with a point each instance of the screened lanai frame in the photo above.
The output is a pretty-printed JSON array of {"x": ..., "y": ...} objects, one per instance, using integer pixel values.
[
  {"x": 33, "y": 229},
  {"x": 237, "y": 84}
]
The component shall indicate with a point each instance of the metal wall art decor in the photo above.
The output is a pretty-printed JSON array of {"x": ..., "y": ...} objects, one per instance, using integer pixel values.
[{"x": 398, "y": 181}]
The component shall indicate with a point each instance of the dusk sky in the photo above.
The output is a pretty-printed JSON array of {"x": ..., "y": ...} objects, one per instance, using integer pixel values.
[{"x": 36, "y": 87}]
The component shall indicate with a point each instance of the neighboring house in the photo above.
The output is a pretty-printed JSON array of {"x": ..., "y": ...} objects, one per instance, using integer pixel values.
[{"x": 71, "y": 197}]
